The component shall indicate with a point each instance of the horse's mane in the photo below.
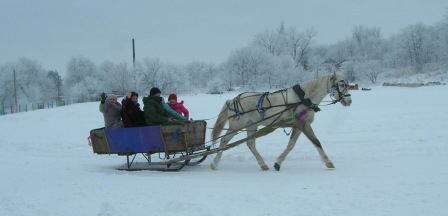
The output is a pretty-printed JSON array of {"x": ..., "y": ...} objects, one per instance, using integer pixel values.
[{"x": 311, "y": 87}]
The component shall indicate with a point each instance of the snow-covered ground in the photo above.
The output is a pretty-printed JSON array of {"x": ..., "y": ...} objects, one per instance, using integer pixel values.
[{"x": 389, "y": 149}]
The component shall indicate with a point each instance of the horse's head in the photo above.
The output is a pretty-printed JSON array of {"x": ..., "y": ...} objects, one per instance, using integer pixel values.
[{"x": 339, "y": 90}]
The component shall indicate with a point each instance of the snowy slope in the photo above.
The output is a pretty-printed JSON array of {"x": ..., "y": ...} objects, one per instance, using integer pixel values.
[{"x": 389, "y": 149}]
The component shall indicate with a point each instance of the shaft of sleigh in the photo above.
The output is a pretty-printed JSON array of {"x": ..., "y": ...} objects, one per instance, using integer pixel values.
[{"x": 261, "y": 132}]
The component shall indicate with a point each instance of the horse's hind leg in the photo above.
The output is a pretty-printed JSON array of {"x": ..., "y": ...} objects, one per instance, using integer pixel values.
[
  {"x": 224, "y": 140},
  {"x": 253, "y": 149},
  {"x": 309, "y": 133},
  {"x": 292, "y": 142}
]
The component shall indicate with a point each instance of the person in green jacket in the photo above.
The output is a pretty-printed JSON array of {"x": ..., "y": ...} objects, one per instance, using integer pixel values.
[{"x": 153, "y": 110}]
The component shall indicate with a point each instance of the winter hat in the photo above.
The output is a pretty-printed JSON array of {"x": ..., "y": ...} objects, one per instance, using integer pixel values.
[
  {"x": 154, "y": 91},
  {"x": 111, "y": 96},
  {"x": 134, "y": 94},
  {"x": 172, "y": 96}
]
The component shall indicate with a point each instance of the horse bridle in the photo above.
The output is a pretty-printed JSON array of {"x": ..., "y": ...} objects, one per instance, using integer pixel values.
[{"x": 341, "y": 94}]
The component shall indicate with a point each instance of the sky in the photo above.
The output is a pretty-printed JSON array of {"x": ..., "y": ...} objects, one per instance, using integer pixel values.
[
  {"x": 180, "y": 32},
  {"x": 389, "y": 151}
]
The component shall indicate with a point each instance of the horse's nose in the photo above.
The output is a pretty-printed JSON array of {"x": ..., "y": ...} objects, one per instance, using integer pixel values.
[{"x": 348, "y": 101}]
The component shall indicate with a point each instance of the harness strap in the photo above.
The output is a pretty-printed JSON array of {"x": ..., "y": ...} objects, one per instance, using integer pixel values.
[
  {"x": 260, "y": 104},
  {"x": 235, "y": 109},
  {"x": 306, "y": 101}
]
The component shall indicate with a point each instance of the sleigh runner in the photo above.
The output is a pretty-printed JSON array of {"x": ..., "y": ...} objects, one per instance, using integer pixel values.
[{"x": 167, "y": 141}]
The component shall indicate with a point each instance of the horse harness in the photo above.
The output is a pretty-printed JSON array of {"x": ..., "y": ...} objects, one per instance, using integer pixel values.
[{"x": 239, "y": 110}]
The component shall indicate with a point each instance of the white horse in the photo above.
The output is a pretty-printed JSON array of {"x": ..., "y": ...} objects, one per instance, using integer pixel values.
[{"x": 293, "y": 107}]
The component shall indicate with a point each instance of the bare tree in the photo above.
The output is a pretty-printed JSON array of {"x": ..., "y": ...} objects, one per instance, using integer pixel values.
[
  {"x": 370, "y": 69},
  {"x": 417, "y": 46},
  {"x": 270, "y": 41},
  {"x": 300, "y": 46},
  {"x": 367, "y": 41}
]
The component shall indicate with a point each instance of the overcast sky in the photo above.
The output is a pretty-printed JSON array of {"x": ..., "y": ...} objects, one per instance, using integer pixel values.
[{"x": 183, "y": 31}]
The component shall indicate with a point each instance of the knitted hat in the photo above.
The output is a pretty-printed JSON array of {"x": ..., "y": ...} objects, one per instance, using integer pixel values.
[
  {"x": 154, "y": 91},
  {"x": 111, "y": 96},
  {"x": 172, "y": 96}
]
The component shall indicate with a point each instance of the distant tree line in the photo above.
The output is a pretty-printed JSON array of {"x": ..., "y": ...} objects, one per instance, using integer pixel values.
[{"x": 275, "y": 58}]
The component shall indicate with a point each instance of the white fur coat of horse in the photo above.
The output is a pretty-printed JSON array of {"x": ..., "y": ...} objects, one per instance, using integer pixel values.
[{"x": 250, "y": 110}]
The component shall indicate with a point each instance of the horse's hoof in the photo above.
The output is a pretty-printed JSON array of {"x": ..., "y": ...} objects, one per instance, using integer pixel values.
[
  {"x": 213, "y": 166},
  {"x": 277, "y": 167},
  {"x": 330, "y": 165},
  {"x": 265, "y": 168}
]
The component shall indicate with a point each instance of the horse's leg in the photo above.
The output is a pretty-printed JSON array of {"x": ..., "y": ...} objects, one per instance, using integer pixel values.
[
  {"x": 309, "y": 133},
  {"x": 224, "y": 140},
  {"x": 292, "y": 142},
  {"x": 253, "y": 149}
]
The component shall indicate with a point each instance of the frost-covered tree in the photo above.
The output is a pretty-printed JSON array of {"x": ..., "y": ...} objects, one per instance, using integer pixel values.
[
  {"x": 195, "y": 72},
  {"x": 78, "y": 69},
  {"x": 171, "y": 80},
  {"x": 83, "y": 80},
  {"x": 56, "y": 80},
  {"x": 288, "y": 42},
  {"x": 370, "y": 69},
  {"x": 149, "y": 71},
  {"x": 117, "y": 77},
  {"x": 442, "y": 42},
  {"x": 6, "y": 84},
  {"x": 368, "y": 43},
  {"x": 31, "y": 81},
  {"x": 299, "y": 46},
  {"x": 252, "y": 66},
  {"x": 271, "y": 41},
  {"x": 416, "y": 46}
]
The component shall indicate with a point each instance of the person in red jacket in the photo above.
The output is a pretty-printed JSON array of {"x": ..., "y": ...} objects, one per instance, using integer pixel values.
[
  {"x": 178, "y": 107},
  {"x": 132, "y": 114}
]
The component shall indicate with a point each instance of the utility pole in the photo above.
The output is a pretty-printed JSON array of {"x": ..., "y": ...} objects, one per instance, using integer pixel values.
[
  {"x": 133, "y": 52},
  {"x": 15, "y": 91}
]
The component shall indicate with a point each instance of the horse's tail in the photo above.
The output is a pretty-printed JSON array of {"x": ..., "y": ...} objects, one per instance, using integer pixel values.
[{"x": 219, "y": 124}]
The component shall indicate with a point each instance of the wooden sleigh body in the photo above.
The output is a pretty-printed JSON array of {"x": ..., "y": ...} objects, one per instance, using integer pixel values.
[{"x": 166, "y": 141}]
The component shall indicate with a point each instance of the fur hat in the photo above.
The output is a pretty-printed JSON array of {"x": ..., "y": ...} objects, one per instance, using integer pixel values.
[
  {"x": 172, "y": 96},
  {"x": 154, "y": 91},
  {"x": 111, "y": 96}
]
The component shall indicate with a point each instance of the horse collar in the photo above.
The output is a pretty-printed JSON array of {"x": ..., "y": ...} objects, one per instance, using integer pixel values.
[{"x": 306, "y": 101}]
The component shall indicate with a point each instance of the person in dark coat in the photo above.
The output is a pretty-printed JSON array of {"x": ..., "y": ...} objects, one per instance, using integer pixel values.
[
  {"x": 132, "y": 114},
  {"x": 111, "y": 110},
  {"x": 153, "y": 109}
]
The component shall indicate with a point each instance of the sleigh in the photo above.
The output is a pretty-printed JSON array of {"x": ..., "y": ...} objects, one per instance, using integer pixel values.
[{"x": 151, "y": 142}]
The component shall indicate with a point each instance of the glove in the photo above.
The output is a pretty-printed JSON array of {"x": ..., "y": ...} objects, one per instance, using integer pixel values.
[{"x": 103, "y": 97}]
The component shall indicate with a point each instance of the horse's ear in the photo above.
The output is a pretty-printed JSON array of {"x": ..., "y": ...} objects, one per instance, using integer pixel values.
[{"x": 333, "y": 78}]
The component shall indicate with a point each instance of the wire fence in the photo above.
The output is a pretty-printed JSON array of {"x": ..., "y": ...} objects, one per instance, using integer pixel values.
[{"x": 4, "y": 110}]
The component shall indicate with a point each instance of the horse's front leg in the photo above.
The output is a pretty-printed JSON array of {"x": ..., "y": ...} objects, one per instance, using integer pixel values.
[
  {"x": 253, "y": 149},
  {"x": 309, "y": 133},
  {"x": 292, "y": 142}
]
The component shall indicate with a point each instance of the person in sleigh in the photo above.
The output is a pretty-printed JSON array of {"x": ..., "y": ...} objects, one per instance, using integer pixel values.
[{"x": 178, "y": 107}]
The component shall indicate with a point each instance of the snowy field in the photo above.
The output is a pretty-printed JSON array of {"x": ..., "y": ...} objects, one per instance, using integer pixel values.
[{"x": 389, "y": 148}]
